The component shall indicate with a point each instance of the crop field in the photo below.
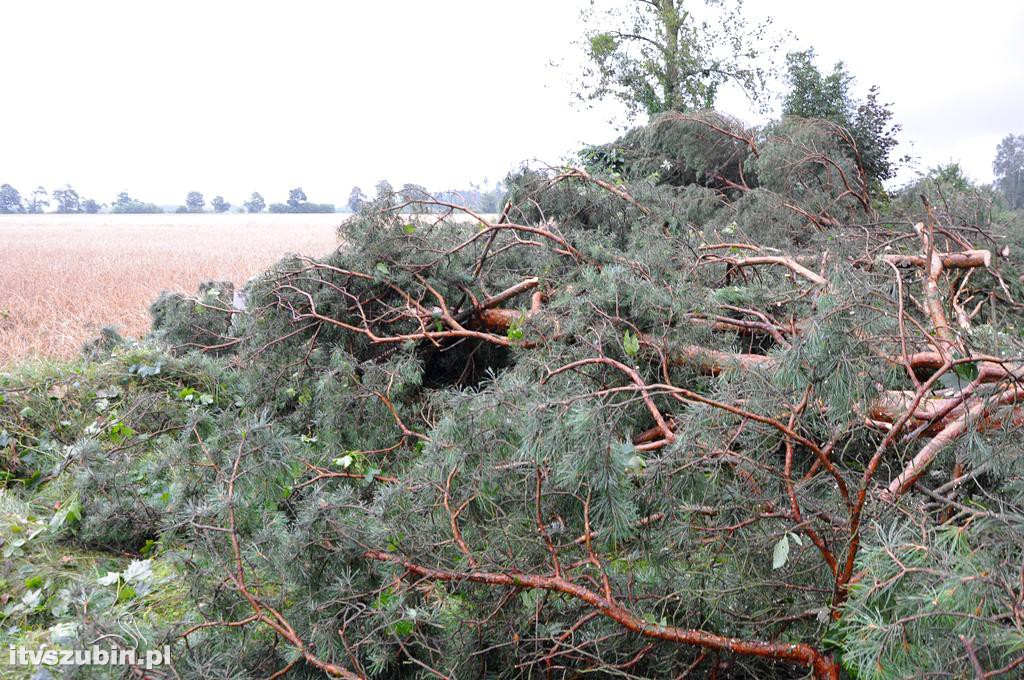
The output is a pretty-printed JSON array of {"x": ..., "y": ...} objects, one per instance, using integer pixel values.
[{"x": 63, "y": 277}]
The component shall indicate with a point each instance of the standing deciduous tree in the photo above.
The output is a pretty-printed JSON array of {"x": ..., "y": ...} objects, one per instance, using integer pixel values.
[
  {"x": 1009, "y": 170},
  {"x": 220, "y": 205},
  {"x": 656, "y": 55},
  {"x": 813, "y": 94},
  {"x": 10, "y": 200},
  {"x": 194, "y": 202},
  {"x": 67, "y": 199},
  {"x": 383, "y": 189},
  {"x": 255, "y": 203},
  {"x": 38, "y": 201},
  {"x": 356, "y": 199},
  {"x": 90, "y": 206},
  {"x": 296, "y": 197}
]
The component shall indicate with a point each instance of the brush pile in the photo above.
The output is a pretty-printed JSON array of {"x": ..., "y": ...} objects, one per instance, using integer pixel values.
[{"x": 708, "y": 405}]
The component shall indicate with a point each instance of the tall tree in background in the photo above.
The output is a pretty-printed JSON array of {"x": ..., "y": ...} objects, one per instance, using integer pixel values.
[
  {"x": 194, "y": 202},
  {"x": 10, "y": 200},
  {"x": 383, "y": 189},
  {"x": 656, "y": 56},
  {"x": 91, "y": 207},
  {"x": 296, "y": 197},
  {"x": 813, "y": 94},
  {"x": 1009, "y": 170},
  {"x": 68, "y": 200},
  {"x": 39, "y": 200},
  {"x": 356, "y": 199},
  {"x": 220, "y": 205},
  {"x": 255, "y": 203}
]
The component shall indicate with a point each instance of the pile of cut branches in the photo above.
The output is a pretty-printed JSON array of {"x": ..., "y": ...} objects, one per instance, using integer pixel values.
[{"x": 704, "y": 406}]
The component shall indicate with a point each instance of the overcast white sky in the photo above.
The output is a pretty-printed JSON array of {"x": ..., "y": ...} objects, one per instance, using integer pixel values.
[{"x": 159, "y": 98}]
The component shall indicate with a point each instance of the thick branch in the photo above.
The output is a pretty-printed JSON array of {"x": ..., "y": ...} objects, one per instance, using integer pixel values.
[
  {"x": 805, "y": 655},
  {"x": 967, "y": 259},
  {"x": 949, "y": 434}
]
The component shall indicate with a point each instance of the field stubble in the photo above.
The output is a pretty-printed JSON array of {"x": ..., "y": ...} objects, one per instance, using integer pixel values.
[{"x": 63, "y": 277}]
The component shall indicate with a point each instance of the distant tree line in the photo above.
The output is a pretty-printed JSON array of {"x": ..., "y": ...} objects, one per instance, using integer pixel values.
[
  {"x": 65, "y": 200},
  {"x": 483, "y": 198}
]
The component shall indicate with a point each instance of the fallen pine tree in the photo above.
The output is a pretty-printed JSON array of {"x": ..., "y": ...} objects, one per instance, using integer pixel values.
[{"x": 705, "y": 406}]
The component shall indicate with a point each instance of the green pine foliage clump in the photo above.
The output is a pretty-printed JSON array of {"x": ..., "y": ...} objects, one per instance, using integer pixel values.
[{"x": 695, "y": 408}]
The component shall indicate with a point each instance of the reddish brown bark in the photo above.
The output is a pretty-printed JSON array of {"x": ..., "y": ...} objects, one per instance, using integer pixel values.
[{"x": 823, "y": 666}]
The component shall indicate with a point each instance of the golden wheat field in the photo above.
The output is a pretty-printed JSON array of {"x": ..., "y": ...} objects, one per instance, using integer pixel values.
[{"x": 63, "y": 277}]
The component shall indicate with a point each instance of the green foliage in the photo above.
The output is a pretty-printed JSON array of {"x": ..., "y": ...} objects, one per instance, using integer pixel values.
[
  {"x": 872, "y": 135},
  {"x": 187, "y": 323},
  {"x": 924, "y": 593},
  {"x": 294, "y": 442},
  {"x": 661, "y": 55}
]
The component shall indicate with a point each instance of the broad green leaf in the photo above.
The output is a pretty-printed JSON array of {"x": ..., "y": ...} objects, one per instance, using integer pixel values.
[
  {"x": 968, "y": 371},
  {"x": 781, "y": 552},
  {"x": 630, "y": 343}
]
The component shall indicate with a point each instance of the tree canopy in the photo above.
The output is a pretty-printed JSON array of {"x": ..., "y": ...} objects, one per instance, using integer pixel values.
[
  {"x": 219, "y": 204},
  {"x": 655, "y": 56},
  {"x": 812, "y": 94},
  {"x": 10, "y": 200},
  {"x": 68, "y": 200},
  {"x": 1009, "y": 170},
  {"x": 255, "y": 203}
]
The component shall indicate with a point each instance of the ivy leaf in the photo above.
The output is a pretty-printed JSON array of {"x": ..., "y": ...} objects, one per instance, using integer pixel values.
[
  {"x": 145, "y": 370},
  {"x": 515, "y": 330},
  {"x": 382, "y": 268},
  {"x": 781, "y": 552},
  {"x": 635, "y": 465},
  {"x": 953, "y": 381},
  {"x": 139, "y": 571},
  {"x": 69, "y": 513},
  {"x": 110, "y": 579},
  {"x": 968, "y": 371},
  {"x": 403, "y": 627},
  {"x": 119, "y": 433},
  {"x": 630, "y": 343},
  {"x": 410, "y": 228}
]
